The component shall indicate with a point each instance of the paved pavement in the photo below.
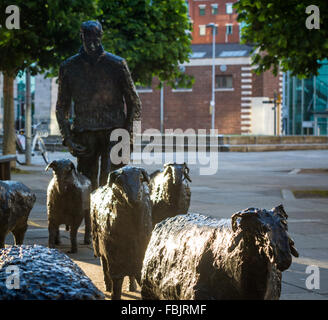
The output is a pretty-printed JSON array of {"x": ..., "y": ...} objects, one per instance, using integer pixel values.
[{"x": 257, "y": 179}]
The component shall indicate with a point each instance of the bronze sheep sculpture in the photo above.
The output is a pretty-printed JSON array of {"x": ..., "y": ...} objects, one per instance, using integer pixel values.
[
  {"x": 121, "y": 225},
  {"x": 169, "y": 195},
  {"x": 169, "y": 191},
  {"x": 34, "y": 272},
  {"x": 16, "y": 203},
  {"x": 68, "y": 202},
  {"x": 192, "y": 257}
]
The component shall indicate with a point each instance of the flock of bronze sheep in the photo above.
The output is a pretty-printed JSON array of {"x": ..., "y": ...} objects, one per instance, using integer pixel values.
[{"x": 140, "y": 227}]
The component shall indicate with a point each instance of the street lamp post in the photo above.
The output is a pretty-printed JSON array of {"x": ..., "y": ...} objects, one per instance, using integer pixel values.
[{"x": 213, "y": 26}]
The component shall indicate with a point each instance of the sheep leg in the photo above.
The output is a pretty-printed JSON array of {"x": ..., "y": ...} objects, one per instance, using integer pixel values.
[
  {"x": 107, "y": 278},
  {"x": 87, "y": 230},
  {"x": 52, "y": 228},
  {"x": 117, "y": 288},
  {"x": 19, "y": 233},
  {"x": 2, "y": 239},
  {"x": 57, "y": 237},
  {"x": 73, "y": 234},
  {"x": 132, "y": 284}
]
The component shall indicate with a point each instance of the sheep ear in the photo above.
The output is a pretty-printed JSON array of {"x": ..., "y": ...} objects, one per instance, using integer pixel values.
[
  {"x": 186, "y": 172},
  {"x": 52, "y": 165},
  {"x": 249, "y": 212},
  {"x": 72, "y": 166},
  {"x": 145, "y": 175},
  {"x": 280, "y": 210},
  {"x": 112, "y": 177}
]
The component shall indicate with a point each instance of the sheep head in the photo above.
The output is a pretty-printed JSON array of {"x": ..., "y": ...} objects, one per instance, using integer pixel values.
[
  {"x": 268, "y": 228},
  {"x": 176, "y": 173},
  {"x": 127, "y": 184},
  {"x": 62, "y": 167}
]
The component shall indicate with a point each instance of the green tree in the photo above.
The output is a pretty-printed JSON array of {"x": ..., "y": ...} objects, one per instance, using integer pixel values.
[
  {"x": 153, "y": 36},
  {"x": 279, "y": 33},
  {"x": 48, "y": 33}
]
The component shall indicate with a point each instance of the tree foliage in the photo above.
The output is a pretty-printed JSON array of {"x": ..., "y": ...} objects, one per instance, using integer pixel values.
[
  {"x": 153, "y": 36},
  {"x": 49, "y": 32},
  {"x": 278, "y": 31}
]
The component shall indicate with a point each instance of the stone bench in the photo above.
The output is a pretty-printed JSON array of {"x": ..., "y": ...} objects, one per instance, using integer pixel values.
[{"x": 5, "y": 165}]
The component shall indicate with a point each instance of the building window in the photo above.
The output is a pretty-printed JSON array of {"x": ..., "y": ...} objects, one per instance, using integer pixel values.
[
  {"x": 215, "y": 9},
  {"x": 144, "y": 88},
  {"x": 182, "y": 84},
  {"x": 180, "y": 87},
  {"x": 229, "y": 9},
  {"x": 223, "y": 82},
  {"x": 202, "y": 30},
  {"x": 229, "y": 29},
  {"x": 202, "y": 8}
]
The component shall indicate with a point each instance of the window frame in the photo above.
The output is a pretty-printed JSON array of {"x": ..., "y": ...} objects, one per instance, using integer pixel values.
[
  {"x": 214, "y": 6},
  {"x": 229, "y": 5},
  {"x": 231, "y": 28},
  {"x": 202, "y": 27},
  {"x": 224, "y": 88},
  {"x": 202, "y": 8}
]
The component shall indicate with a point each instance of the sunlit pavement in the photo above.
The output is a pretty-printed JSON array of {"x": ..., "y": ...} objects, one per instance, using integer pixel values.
[{"x": 259, "y": 179}]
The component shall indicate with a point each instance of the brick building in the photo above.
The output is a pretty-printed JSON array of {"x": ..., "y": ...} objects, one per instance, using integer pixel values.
[
  {"x": 219, "y": 12},
  {"x": 239, "y": 93}
]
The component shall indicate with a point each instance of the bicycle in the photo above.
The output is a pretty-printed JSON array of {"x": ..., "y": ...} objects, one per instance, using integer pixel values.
[{"x": 36, "y": 141}]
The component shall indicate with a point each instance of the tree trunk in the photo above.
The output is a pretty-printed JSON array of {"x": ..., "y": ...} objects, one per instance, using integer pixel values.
[{"x": 9, "y": 133}]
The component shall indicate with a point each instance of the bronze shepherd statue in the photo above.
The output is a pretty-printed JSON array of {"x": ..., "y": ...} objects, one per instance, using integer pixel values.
[{"x": 94, "y": 85}]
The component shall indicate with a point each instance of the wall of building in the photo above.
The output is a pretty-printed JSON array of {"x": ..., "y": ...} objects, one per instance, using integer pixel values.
[
  {"x": 190, "y": 108},
  {"x": 262, "y": 120},
  {"x": 45, "y": 102},
  {"x": 53, "y": 128},
  {"x": 221, "y": 19},
  {"x": 42, "y": 98}
]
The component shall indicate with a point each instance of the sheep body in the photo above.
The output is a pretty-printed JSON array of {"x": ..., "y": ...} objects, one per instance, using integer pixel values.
[
  {"x": 16, "y": 203},
  {"x": 68, "y": 202},
  {"x": 43, "y": 274},
  {"x": 194, "y": 257},
  {"x": 121, "y": 225},
  {"x": 169, "y": 191}
]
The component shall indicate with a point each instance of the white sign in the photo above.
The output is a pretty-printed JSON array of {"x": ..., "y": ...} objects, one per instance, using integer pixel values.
[{"x": 307, "y": 124}]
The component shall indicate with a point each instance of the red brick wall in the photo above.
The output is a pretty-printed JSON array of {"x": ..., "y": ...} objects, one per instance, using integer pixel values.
[
  {"x": 150, "y": 107},
  {"x": 270, "y": 84},
  {"x": 221, "y": 19},
  {"x": 191, "y": 109},
  {"x": 265, "y": 84},
  {"x": 257, "y": 83}
]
